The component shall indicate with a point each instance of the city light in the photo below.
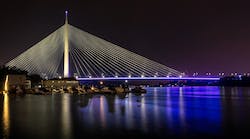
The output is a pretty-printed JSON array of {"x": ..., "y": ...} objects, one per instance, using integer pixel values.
[
  {"x": 156, "y": 74},
  {"x": 195, "y": 74},
  {"x": 6, "y": 88}
]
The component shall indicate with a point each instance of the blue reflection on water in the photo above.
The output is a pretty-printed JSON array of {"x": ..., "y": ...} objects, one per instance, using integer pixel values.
[
  {"x": 175, "y": 110},
  {"x": 162, "y": 111}
]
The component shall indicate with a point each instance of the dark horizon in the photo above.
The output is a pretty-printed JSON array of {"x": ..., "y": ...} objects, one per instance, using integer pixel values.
[{"x": 188, "y": 36}]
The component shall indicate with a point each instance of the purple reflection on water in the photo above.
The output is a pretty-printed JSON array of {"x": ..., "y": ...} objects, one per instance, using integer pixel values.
[
  {"x": 161, "y": 112},
  {"x": 173, "y": 110}
]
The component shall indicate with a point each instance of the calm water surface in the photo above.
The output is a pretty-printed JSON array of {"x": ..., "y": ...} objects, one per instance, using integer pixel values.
[{"x": 182, "y": 112}]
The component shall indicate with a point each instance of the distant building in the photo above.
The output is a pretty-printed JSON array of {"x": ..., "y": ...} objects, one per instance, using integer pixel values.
[
  {"x": 13, "y": 81},
  {"x": 60, "y": 83},
  {"x": 27, "y": 84}
]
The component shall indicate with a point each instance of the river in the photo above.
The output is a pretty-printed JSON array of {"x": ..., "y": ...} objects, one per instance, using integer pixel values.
[{"x": 181, "y": 112}]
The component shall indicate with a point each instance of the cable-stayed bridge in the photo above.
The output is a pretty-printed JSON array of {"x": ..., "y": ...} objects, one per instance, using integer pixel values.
[{"x": 71, "y": 52}]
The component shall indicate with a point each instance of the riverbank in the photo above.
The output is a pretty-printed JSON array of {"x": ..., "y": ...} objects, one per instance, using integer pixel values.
[{"x": 81, "y": 90}]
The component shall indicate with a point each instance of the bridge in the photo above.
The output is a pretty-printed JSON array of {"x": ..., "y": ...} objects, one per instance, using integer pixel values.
[
  {"x": 150, "y": 78},
  {"x": 71, "y": 52}
]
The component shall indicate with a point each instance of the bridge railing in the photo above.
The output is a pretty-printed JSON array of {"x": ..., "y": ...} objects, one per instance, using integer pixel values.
[{"x": 149, "y": 78}]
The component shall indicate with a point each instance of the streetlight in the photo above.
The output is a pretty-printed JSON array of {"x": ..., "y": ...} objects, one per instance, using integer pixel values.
[{"x": 103, "y": 75}]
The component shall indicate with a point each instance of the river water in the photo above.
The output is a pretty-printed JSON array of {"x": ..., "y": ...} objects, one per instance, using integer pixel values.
[{"x": 179, "y": 112}]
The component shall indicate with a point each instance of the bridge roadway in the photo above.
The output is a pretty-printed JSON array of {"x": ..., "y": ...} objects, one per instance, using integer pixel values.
[{"x": 150, "y": 78}]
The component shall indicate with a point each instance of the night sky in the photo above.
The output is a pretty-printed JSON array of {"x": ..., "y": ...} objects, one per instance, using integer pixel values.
[{"x": 189, "y": 36}]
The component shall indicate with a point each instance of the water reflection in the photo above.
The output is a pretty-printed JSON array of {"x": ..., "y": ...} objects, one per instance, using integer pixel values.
[
  {"x": 129, "y": 106},
  {"x": 182, "y": 108},
  {"x": 143, "y": 115},
  {"x": 6, "y": 116},
  {"x": 158, "y": 111},
  {"x": 168, "y": 110},
  {"x": 110, "y": 101},
  {"x": 66, "y": 117},
  {"x": 84, "y": 100},
  {"x": 102, "y": 111},
  {"x": 177, "y": 111}
]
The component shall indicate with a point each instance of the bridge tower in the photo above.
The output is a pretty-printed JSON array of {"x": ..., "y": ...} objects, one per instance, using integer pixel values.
[{"x": 66, "y": 48}]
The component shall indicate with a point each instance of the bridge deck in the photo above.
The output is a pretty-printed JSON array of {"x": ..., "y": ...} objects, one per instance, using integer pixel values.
[{"x": 151, "y": 78}]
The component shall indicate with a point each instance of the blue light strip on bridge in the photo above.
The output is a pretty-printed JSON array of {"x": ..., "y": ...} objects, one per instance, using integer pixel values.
[{"x": 151, "y": 78}]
